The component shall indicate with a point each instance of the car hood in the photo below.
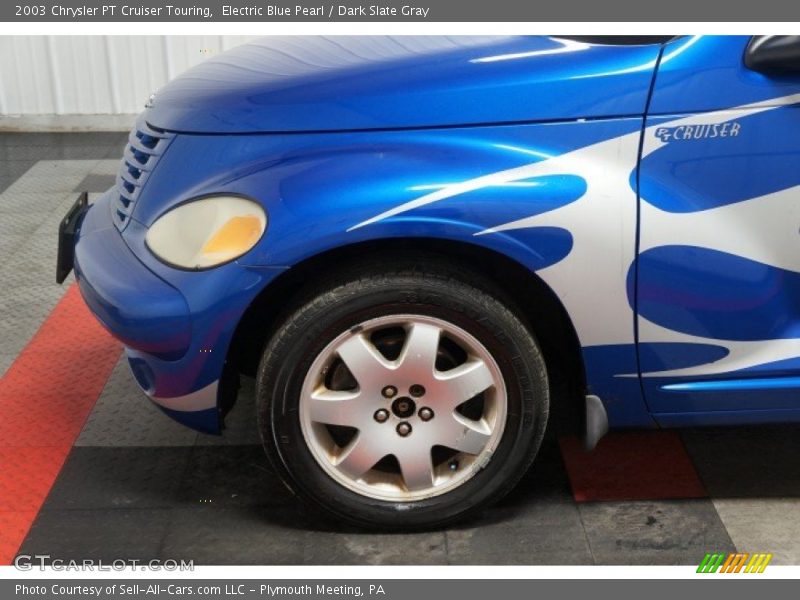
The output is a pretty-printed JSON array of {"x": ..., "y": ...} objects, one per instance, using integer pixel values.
[{"x": 358, "y": 83}]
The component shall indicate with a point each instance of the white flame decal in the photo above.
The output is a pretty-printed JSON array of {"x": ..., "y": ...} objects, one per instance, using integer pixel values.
[{"x": 591, "y": 280}]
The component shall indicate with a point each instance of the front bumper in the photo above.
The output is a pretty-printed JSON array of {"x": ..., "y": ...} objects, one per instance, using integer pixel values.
[{"x": 176, "y": 326}]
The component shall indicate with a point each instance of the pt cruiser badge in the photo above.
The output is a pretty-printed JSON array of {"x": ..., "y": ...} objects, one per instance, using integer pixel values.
[{"x": 698, "y": 132}]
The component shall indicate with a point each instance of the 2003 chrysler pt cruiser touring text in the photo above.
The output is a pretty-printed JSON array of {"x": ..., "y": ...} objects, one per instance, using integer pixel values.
[{"x": 427, "y": 249}]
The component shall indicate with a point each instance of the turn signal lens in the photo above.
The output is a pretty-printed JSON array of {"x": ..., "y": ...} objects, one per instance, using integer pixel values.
[{"x": 207, "y": 232}]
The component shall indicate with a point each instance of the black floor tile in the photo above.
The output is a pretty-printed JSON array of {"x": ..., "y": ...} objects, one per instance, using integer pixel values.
[
  {"x": 236, "y": 536},
  {"x": 95, "y": 183},
  {"x": 747, "y": 462},
  {"x": 232, "y": 476},
  {"x": 105, "y": 535},
  {"x": 667, "y": 532},
  {"x": 104, "y": 478}
]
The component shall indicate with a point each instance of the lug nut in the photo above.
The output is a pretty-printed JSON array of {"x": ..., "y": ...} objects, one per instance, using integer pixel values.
[
  {"x": 425, "y": 413},
  {"x": 389, "y": 391},
  {"x": 403, "y": 429},
  {"x": 381, "y": 415},
  {"x": 416, "y": 390}
]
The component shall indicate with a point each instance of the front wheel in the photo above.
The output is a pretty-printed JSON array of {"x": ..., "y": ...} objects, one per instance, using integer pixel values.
[{"x": 402, "y": 399}]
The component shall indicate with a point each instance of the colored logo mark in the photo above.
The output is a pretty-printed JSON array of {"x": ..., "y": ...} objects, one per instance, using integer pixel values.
[{"x": 736, "y": 562}]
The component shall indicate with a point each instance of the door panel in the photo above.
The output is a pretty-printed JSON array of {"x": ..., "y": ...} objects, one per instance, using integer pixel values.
[{"x": 718, "y": 272}]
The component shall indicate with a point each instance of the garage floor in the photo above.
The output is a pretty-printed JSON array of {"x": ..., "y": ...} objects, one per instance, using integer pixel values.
[{"x": 89, "y": 469}]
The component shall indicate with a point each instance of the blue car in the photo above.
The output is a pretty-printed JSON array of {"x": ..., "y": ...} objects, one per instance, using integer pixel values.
[{"x": 428, "y": 251}]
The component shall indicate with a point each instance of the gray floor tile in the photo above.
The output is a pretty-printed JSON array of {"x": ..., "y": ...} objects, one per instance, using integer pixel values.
[
  {"x": 29, "y": 290},
  {"x": 95, "y": 183},
  {"x": 33, "y": 261},
  {"x": 541, "y": 533},
  {"x": 9, "y": 243},
  {"x": 53, "y": 176},
  {"x": 323, "y": 548},
  {"x": 537, "y": 523},
  {"x": 32, "y": 202},
  {"x": 6, "y": 360},
  {"x": 53, "y": 152},
  {"x": 751, "y": 475},
  {"x": 10, "y": 171},
  {"x": 21, "y": 222},
  {"x": 91, "y": 139},
  {"x": 123, "y": 416},
  {"x": 107, "y": 167},
  {"x": 236, "y": 536},
  {"x": 763, "y": 525},
  {"x": 669, "y": 532},
  {"x": 22, "y": 311},
  {"x": 116, "y": 152}
]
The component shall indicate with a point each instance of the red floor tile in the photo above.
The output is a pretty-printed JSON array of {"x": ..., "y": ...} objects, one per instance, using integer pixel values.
[
  {"x": 14, "y": 527},
  {"x": 27, "y": 475},
  {"x": 45, "y": 397},
  {"x": 649, "y": 465}
]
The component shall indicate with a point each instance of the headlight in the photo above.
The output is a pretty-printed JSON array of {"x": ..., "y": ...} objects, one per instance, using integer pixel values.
[{"x": 207, "y": 232}]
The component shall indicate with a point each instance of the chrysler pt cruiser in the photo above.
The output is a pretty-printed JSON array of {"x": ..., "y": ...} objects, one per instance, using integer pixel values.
[{"x": 429, "y": 250}]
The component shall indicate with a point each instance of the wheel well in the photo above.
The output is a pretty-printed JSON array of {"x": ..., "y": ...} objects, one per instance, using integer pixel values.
[{"x": 528, "y": 295}]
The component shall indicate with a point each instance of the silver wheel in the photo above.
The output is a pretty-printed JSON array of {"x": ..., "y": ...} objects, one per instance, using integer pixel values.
[{"x": 403, "y": 407}]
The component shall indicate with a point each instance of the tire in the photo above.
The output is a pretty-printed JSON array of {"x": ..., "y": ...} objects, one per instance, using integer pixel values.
[{"x": 385, "y": 307}]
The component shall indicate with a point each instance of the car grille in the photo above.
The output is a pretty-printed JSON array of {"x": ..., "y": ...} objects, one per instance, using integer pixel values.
[{"x": 145, "y": 146}]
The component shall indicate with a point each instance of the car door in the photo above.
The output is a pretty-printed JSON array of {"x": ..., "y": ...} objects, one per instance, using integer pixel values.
[{"x": 718, "y": 270}]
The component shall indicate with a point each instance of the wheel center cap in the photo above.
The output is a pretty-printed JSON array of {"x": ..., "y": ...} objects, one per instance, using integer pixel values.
[{"x": 403, "y": 407}]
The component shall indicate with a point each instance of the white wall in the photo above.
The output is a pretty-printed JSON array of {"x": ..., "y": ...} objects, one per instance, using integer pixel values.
[{"x": 94, "y": 75}]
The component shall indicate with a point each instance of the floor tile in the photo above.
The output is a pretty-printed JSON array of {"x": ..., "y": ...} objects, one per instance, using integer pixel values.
[
  {"x": 13, "y": 529},
  {"x": 53, "y": 176},
  {"x": 124, "y": 416},
  {"x": 236, "y": 536},
  {"x": 9, "y": 243},
  {"x": 650, "y": 465},
  {"x": 95, "y": 183},
  {"x": 23, "y": 308},
  {"x": 668, "y": 532},
  {"x": 325, "y": 548},
  {"x": 232, "y": 476},
  {"x": 32, "y": 202},
  {"x": 105, "y": 535},
  {"x": 747, "y": 462},
  {"x": 21, "y": 222},
  {"x": 541, "y": 533},
  {"x": 26, "y": 474},
  {"x": 45, "y": 139},
  {"x": 763, "y": 525},
  {"x": 53, "y": 152},
  {"x": 6, "y": 359},
  {"x": 537, "y": 523},
  {"x": 11, "y": 171},
  {"x": 105, "y": 478}
]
